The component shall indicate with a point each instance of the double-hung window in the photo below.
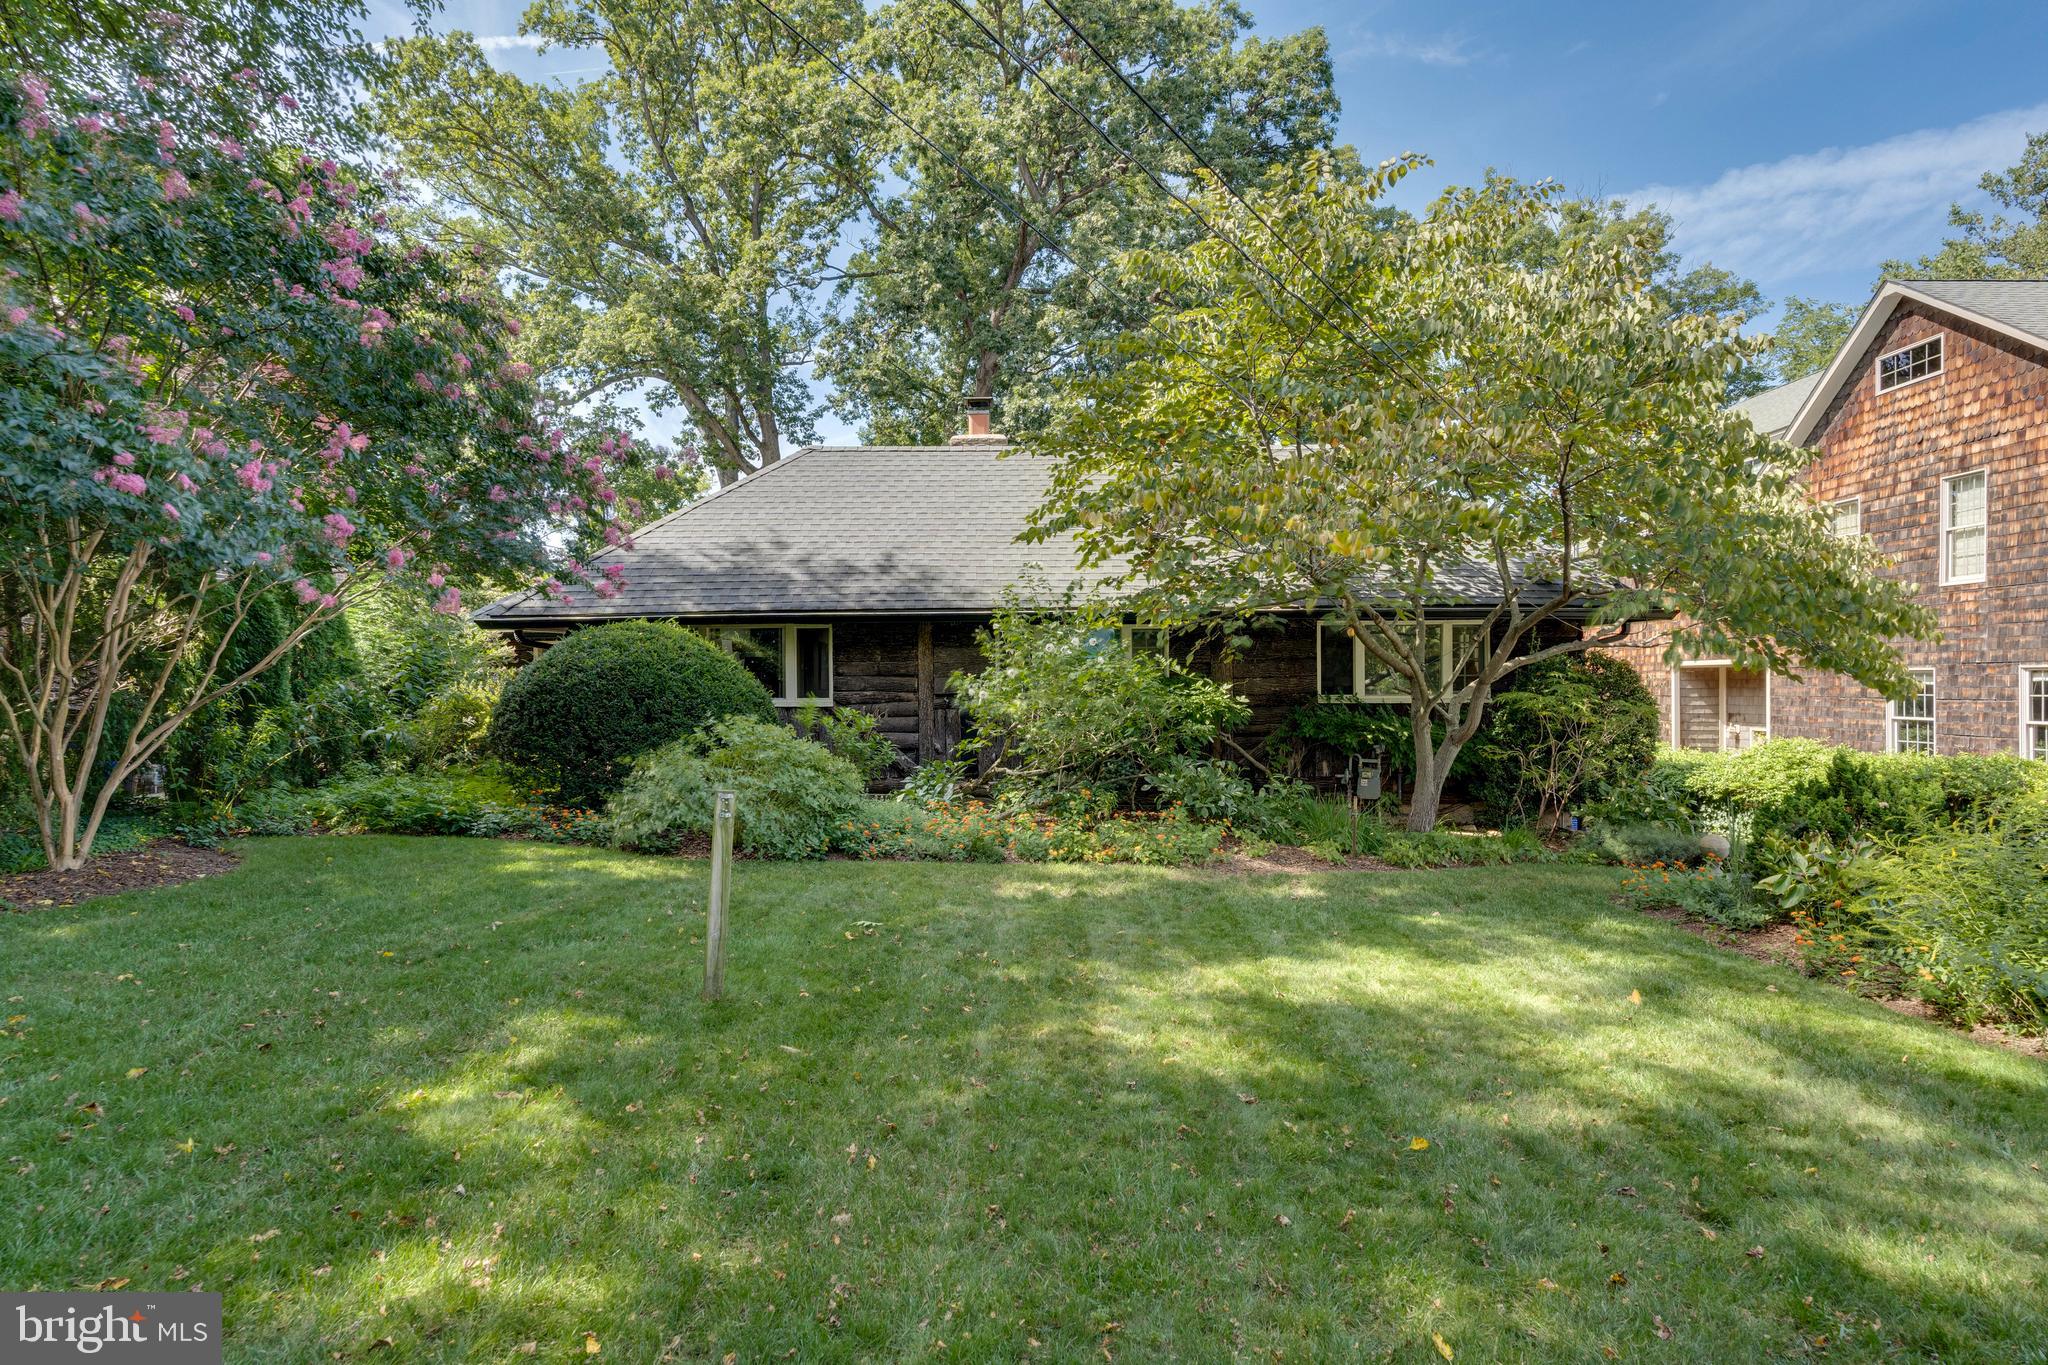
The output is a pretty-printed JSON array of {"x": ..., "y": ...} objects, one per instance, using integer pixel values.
[
  {"x": 2034, "y": 712},
  {"x": 1965, "y": 508},
  {"x": 1845, "y": 518},
  {"x": 1909, "y": 724},
  {"x": 793, "y": 662},
  {"x": 1454, "y": 652}
]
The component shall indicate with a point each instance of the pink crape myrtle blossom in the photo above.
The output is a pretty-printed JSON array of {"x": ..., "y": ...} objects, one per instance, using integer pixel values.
[{"x": 344, "y": 418}]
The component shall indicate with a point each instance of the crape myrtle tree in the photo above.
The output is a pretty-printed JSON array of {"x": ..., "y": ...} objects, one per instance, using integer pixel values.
[
  {"x": 1394, "y": 420},
  {"x": 224, "y": 379}
]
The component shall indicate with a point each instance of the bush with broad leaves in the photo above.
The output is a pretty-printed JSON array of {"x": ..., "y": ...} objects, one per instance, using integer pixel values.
[{"x": 226, "y": 376}]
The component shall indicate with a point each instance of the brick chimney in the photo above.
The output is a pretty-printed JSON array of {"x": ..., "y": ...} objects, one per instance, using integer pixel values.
[{"x": 978, "y": 433}]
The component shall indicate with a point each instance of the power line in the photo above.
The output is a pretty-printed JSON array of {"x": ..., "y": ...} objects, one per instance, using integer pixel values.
[
  {"x": 1001, "y": 201},
  {"x": 1223, "y": 183},
  {"x": 1158, "y": 183}
]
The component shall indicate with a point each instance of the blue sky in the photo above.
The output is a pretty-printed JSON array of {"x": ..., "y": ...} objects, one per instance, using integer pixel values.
[{"x": 1797, "y": 142}]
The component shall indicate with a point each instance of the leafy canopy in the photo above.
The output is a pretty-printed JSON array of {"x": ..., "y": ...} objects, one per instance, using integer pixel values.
[
  {"x": 1430, "y": 417},
  {"x": 668, "y": 219},
  {"x": 948, "y": 293},
  {"x": 225, "y": 378}
]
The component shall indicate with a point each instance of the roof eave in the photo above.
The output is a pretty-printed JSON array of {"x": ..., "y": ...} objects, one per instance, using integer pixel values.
[{"x": 1875, "y": 314}]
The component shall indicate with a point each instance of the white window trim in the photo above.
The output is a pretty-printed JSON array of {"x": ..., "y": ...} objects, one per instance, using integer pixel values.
[
  {"x": 719, "y": 634},
  {"x": 1359, "y": 664},
  {"x": 2027, "y": 722},
  {"x": 1892, "y": 717},
  {"x": 1857, "y": 503},
  {"x": 1940, "y": 341},
  {"x": 1948, "y": 578}
]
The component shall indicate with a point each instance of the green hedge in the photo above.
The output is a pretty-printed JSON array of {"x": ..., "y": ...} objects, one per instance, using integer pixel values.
[
  {"x": 1789, "y": 790},
  {"x": 580, "y": 713}
]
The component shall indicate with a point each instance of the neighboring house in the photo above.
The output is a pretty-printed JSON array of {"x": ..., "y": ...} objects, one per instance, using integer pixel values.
[
  {"x": 1929, "y": 434},
  {"x": 858, "y": 576}
]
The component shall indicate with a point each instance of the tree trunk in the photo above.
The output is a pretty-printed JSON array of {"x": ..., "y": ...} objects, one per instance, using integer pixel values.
[{"x": 1428, "y": 793}]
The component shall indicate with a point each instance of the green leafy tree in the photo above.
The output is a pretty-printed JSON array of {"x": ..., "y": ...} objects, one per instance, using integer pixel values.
[
  {"x": 1526, "y": 440},
  {"x": 1683, "y": 290},
  {"x": 949, "y": 294},
  {"x": 666, "y": 221},
  {"x": 224, "y": 381},
  {"x": 1073, "y": 719},
  {"x": 2010, "y": 245},
  {"x": 1808, "y": 335}
]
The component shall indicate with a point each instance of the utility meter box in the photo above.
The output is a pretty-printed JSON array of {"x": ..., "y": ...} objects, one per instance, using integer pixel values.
[{"x": 1365, "y": 778}]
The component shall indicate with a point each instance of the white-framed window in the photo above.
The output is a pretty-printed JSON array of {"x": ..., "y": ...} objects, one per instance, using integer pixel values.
[
  {"x": 1909, "y": 724},
  {"x": 1454, "y": 651},
  {"x": 2034, "y": 712},
  {"x": 1965, "y": 518},
  {"x": 1908, "y": 364},
  {"x": 794, "y": 662},
  {"x": 1845, "y": 518},
  {"x": 1133, "y": 637}
]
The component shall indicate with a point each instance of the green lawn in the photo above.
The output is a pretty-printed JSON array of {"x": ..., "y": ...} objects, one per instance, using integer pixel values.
[{"x": 459, "y": 1096}]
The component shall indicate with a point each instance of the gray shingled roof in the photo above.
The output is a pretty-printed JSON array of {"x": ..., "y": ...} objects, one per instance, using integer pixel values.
[
  {"x": 2020, "y": 304},
  {"x": 831, "y": 529},
  {"x": 1773, "y": 410}
]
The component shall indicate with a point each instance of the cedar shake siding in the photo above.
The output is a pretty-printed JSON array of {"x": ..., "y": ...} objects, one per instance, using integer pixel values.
[{"x": 1986, "y": 410}]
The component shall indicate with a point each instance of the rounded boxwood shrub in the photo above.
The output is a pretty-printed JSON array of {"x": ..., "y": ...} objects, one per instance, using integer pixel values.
[{"x": 581, "y": 712}]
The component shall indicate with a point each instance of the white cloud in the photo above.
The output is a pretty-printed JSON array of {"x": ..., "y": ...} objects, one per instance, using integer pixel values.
[
  {"x": 1841, "y": 206},
  {"x": 1445, "y": 49},
  {"x": 505, "y": 42}
]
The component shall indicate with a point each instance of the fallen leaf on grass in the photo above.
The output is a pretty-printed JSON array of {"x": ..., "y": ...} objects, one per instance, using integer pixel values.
[
  {"x": 1418, "y": 1144},
  {"x": 1443, "y": 1348},
  {"x": 113, "y": 1284},
  {"x": 1755, "y": 1253},
  {"x": 135, "y": 1071},
  {"x": 590, "y": 1346},
  {"x": 1662, "y": 1331},
  {"x": 1635, "y": 997}
]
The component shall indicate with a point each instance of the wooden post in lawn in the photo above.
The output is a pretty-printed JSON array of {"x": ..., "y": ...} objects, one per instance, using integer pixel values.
[{"x": 722, "y": 806}]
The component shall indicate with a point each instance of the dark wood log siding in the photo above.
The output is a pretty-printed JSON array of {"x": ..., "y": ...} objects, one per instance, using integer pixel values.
[{"x": 879, "y": 664}]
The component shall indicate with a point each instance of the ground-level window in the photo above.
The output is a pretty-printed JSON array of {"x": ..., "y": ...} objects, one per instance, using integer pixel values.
[
  {"x": 1453, "y": 651},
  {"x": 793, "y": 662},
  {"x": 1964, "y": 515},
  {"x": 2034, "y": 712},
  {"x": 1910, "y": 723}
]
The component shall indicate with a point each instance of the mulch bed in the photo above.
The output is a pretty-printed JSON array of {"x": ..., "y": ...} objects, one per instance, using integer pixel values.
[
  {"x": 159, "y": 864},
  {"x": 1297, "y": 861},
  {"x": 1775, "y": 945}
]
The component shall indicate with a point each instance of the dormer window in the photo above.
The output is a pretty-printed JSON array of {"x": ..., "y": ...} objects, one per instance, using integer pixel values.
[{"x": 1909, "y": 364}]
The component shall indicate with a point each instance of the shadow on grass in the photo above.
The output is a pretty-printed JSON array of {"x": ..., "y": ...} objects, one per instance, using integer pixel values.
[{"x": 1021, "y": 1110}]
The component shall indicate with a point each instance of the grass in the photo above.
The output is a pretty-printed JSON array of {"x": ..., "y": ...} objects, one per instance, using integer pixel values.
[{"x": 459, "y": 1095}]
